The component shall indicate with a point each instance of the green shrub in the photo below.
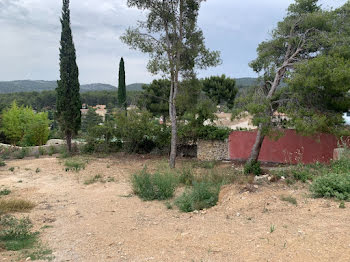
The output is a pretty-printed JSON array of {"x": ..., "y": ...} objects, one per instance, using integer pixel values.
[
  {"x": 2, "y": 163},
  {"x": 289, "y": 199},
  {"x": 5, "y": 192},
  {"x": 186, "y": 177},
  {"x": 15, "y": 234},
  {"x": 94, "y": 179},
  {"x": 42, "y": 151},
  {"x": 22, "y": 153},
  {"x": 205, "y": 164},
  {"x": 74, "y": 165},
  {"x": 332, "y": 185},
  {"x": 154, "y": 186},
  {"x": 253, "y": 168},
  {"x": 52, "y": 150},
  {"x": 203, "y": 195}
]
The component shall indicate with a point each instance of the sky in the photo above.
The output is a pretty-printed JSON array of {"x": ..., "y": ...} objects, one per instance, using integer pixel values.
[{"x": 30, "y": 33}]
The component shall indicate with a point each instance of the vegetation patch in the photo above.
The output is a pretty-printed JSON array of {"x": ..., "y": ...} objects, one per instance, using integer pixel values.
[
  {"x": 5, "y": 192},
  {"x": 253, "y": 167},
  {"x": 15, "y": 205},
  {"x": 202, "y": 195},
  {"x": 289, "y": 199},
  {"x": 94, "y": 179},
  {"x": 160, "y": 186},
  {"x": 74, "y": 164}
]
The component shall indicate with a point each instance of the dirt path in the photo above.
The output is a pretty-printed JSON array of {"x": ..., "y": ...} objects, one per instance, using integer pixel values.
[{"x": 103, "y": 222}]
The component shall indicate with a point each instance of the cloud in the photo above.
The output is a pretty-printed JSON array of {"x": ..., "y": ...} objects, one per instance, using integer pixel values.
[{"x": 30, "y": 32}]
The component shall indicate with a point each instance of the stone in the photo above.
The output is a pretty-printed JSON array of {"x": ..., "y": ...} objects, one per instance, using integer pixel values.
[{"x": 212, "y": 150}]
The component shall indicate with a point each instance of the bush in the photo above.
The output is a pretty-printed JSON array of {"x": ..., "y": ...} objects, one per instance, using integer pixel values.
[
  {"x": 21, "y": 153},
  {"x": 253, "y": 168},
  {"x": 203, "y": 195},
  {"x": 186, "y": 177},
  {"x": 22, "y": 125},
  {"x": 332, "y": 185},
  {"x": 16, "y": 233},
  {"x": 154, "y": 186},
  {"x": 74, "y": 165},
  {"x": 2, "y": 163}
]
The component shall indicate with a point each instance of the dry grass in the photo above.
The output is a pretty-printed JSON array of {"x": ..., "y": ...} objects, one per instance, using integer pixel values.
[{"x": 15, "y": 205}]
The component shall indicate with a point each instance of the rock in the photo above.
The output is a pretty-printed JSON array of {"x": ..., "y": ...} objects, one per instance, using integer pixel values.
[
  {"x": 238, "y": 215},
  {"x": 261, "y": 179},
  {"x": 283, "y": 178},
  {"x": 256, "y": 186},
  {"x": 28, "y": 259}
]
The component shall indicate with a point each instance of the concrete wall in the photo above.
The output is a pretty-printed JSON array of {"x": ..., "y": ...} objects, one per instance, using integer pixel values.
[
  {"x": 212, "y": 150},
  {"x": 291, "y": 148}
]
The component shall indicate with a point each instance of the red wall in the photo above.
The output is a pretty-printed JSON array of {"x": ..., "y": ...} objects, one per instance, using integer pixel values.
[{"x": 290, "y": 148}]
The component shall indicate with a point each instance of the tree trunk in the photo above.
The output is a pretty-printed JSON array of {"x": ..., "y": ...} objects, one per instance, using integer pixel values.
[
  {"x": 254, "y": 155},
  {"x": 172, "y": 114},
  {"x": 69, "y": 141}
]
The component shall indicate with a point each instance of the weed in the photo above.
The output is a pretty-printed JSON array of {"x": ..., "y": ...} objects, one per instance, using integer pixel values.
[
  {"x": 74, "y": 165},
  {"x": 15, "y": 234},
  {"x": 110, "y": 179},
  {"x": 108, "y": 166},
  {"x": 40, "y": 253},
  {"x": 253, "y": 168},
  {"x": 289, "y": 199},
  {"x": 5, "y": 192},
  {"x": 94, "y": 179},
  {"x": 51, "y": 151},
  {"x": 37, "y": 170},
  {"x": 332, "y": 185},
  {"x": 2, "y": 163},
  {"x": 15, "y": 205},
  {"x": 159, "y": 186},
  {"x": 42, "y": 151},
  {"x": 186, "y": 177},
  {"x": 22, "y": 153},
  {"x": 203, "y": 195},
  {"x": 12, "y": 169},
  {"x": 19, "y": 181},
  {"x": 168, "y": 205},
  {"x": 204, "y": 164},
  {"x": 272, "y": 228},
  {"x": 46, "y": 227},
  {"x": 37, "y": 155},
  {"x": 342, "y": 204}
]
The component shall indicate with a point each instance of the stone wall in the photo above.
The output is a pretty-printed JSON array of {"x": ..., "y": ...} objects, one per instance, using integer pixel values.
[{"x": 212, "y": 150}]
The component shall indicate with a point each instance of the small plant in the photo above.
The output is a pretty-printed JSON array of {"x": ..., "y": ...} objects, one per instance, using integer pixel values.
[
  {"x": 253, "y": 167},
  {"x": 204, "y": 164},
  {"x": 110, "y": 179},
  {"x": 272, "y": 228},
  {"x": 2, "y": 163},
  {"x": 12, "y": 169},
  {"x": 289, "y": 199},
  {"x": 203, "y": 195},
  {"x": 168, "y": 205},
  {"x": 37, "y": 170},
  {"x": 94, "y": 179},
  {"x": 74, "y": 165},
  {"x": 186, "y": 177},
  {"x": 332, "y": 185},
  {"x": 36, "y": 155},
  {"x": 51, "y": 151},
  {"x": 15, "y": 205},
  {"x": 154, "y": 186},
  {"x": 42, "y": 151},
  {"x": 5, "y": 192},
  {"x": 15, "y": 234},
  {"x": 342, "y": 204},
  {"x": 22, "y": 153}
]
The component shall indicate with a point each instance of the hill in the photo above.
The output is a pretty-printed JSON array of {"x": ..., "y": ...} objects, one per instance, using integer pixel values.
[
  {"x": 7, "y": 87},
  {"x": 246, "y": 81}
]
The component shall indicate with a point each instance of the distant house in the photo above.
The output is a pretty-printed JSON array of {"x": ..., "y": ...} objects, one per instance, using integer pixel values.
[{"x": 99, "y": 109}]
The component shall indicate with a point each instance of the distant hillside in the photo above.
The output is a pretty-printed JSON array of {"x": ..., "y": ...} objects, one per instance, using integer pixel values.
[
  {"x": 7, "y": 87},
  {"x": 135, "y": 87},
  {"x": 246, "y": 81}
]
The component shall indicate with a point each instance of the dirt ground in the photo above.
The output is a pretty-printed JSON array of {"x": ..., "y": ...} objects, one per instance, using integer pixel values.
[{"x": 105, "y": 222}]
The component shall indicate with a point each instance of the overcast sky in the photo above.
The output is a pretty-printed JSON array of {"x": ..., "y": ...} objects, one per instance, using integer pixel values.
[{"x": 30, "y": 33}]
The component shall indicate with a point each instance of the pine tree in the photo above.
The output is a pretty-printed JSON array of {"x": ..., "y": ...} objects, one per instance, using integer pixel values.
[
  {"x": 122, "y": 86},
  {"x": 68, "y": 96}
]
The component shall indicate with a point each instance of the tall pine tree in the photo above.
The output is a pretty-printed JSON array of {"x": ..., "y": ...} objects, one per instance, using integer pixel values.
[
  {"x": 68, "y": 96},
  {"x": 122, "y": 86}
]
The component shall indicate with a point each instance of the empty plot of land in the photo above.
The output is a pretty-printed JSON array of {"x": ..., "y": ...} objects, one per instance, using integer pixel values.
[{"x": 104, "y": 221}]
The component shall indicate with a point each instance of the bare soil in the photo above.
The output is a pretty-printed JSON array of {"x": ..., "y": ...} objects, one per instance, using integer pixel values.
[{"x": 105, "y": 222}]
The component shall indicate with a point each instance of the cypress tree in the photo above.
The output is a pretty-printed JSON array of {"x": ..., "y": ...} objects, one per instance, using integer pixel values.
[
  {"x": 122, "y": 86},
  {"x": 68, "y": 96}
]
